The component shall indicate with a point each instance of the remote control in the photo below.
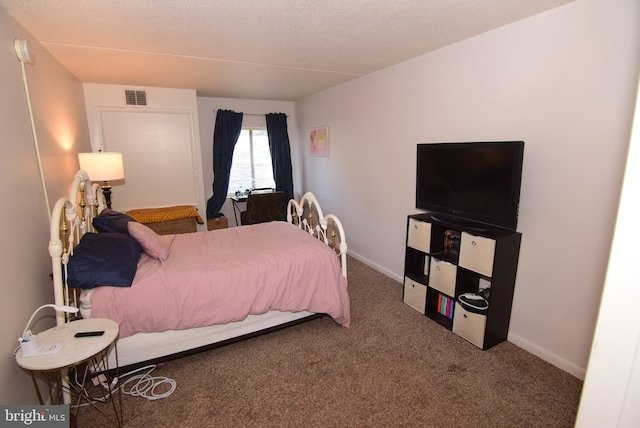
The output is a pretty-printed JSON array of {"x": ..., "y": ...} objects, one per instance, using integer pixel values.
[{"x": 89, "y": 333}]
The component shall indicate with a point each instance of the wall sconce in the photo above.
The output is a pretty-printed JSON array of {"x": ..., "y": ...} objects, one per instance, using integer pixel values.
[
  {"x": 103, "y": 166},
  {"x": 29, "y": 345},
  {"x": 23, "y": 51}
]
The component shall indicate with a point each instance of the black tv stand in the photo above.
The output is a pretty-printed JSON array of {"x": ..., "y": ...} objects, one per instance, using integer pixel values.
[
  {"x": 460, "y": 222},
  {"x": 446, "y": 264}
]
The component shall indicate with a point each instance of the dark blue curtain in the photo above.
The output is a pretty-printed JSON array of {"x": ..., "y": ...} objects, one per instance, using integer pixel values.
[
  {"x": 280, "y": 153},
  {"x": 225, "y": 134}
]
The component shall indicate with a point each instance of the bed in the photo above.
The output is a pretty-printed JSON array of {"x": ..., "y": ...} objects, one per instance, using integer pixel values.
[{"x": 194, "y": 291}]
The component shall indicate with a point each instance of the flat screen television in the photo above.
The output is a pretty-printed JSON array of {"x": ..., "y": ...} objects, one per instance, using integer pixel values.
[{"x": 473, "y": 184}]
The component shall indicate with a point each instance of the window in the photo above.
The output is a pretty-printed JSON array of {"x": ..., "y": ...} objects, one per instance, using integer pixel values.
[{"x": 251, "y": 165}]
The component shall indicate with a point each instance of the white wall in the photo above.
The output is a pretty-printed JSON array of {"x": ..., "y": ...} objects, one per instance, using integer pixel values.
[
  {"x": 254, "y": 111},
  {"x": 564, "y": 82},
  {"x": 61, "y": 128}
]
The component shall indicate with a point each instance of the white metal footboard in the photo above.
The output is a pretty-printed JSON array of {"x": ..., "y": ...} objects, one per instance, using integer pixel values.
[{"x": 308, "y": 216}]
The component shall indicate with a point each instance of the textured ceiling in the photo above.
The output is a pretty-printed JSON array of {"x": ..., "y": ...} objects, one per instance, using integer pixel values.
[{"x": 256, "y": 49}]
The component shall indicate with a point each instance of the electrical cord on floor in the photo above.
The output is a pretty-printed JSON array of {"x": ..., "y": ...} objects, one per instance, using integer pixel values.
[
  {"x": 141, "y": 385},
  {"x": 80, "y": 386},
  {"x": 145, "y": 385}
]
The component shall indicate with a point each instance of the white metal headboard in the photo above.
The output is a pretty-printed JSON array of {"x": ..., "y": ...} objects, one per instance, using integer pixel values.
[
  {"x": 70, "y": 219},
  {"x": 308, "y": 215}
]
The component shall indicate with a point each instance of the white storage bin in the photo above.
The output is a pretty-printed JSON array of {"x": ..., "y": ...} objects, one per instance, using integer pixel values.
[
  {"x": 476, "y": 253},
  {"x": 415, "y": 295},
  {"x": 443, "y": 276},
  {"x": 419, "y": 235},
  {"x": 469, "y": 326}
]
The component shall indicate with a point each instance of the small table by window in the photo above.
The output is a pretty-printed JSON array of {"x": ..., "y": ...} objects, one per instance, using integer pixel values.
[
  {"x": 236, "y": 207},
  {"x": 75, "y": 352}
]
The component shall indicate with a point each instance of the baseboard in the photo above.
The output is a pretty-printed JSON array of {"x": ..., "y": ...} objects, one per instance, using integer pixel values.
[
  {"x": 375, "y": 266},
  {"x": 549, "y": 357}
]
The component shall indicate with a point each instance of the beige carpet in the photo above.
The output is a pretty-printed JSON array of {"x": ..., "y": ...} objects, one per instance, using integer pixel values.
[{"x": 394, "y": 367}]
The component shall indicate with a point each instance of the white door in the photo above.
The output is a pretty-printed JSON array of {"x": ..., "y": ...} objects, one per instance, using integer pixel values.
[{"x": 159, "y": 158}]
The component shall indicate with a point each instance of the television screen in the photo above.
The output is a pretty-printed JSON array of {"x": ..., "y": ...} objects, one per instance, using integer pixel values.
[{"x": 474, "y": 182}]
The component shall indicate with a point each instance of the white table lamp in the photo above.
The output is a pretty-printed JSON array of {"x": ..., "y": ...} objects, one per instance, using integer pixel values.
[
  {"x": 103, "y": 166},
  {"x": 29, "y": 345}
]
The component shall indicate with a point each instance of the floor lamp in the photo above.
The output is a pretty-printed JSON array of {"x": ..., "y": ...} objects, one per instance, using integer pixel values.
[{"x": 103, "y": 166}]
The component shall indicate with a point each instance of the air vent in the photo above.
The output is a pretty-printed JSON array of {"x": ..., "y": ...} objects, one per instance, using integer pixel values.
[{"x": 135, "y": 98}]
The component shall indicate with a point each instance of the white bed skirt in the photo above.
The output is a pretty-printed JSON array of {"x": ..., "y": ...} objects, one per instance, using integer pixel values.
[{"x": 143, "y": 347}]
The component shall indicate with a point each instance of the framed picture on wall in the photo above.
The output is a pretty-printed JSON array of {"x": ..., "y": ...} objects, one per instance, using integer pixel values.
[{"x": 319, "y": 141}]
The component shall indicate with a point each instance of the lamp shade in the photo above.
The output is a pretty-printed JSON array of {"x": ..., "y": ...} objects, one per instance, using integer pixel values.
[{"x": 102, "y": 166}]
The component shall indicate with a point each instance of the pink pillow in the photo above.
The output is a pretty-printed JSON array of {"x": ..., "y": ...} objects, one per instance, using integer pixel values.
[{"x": 149, "y": 240}]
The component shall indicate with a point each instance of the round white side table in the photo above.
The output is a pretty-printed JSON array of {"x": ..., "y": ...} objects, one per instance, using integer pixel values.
[{"x": 74, "y": 353}]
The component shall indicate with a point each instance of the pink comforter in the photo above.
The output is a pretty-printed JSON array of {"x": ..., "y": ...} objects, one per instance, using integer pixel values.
[{"x": 224, "y": 275}]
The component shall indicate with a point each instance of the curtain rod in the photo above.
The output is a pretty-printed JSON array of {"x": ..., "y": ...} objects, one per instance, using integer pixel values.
[{"x": 249, "y": 114}]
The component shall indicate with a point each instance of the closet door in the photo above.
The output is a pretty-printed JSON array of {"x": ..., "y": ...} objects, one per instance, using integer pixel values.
[{"x": 159, "y": 159}]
